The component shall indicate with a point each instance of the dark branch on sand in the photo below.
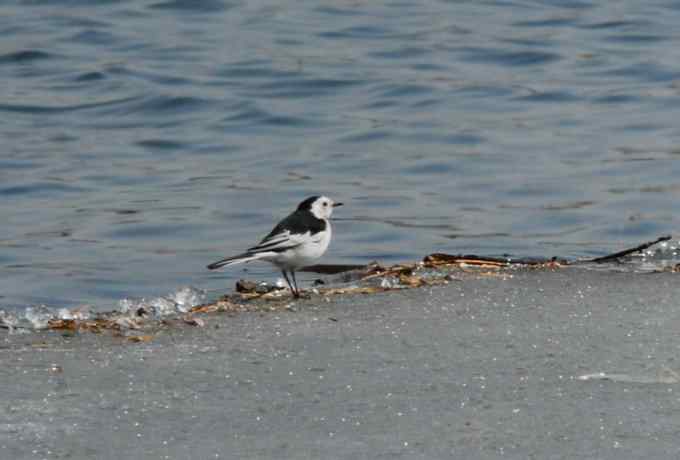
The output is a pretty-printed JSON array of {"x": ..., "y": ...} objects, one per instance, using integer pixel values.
[
  {"x": 331, "y": 269},
  {"x": 625, "y": 252}
]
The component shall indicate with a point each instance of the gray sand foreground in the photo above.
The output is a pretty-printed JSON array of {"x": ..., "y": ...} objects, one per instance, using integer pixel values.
[{"x": 485, "y": 367}]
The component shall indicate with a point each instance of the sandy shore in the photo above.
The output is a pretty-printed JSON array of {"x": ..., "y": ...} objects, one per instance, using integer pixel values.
[{"x": 484, "y": 367}]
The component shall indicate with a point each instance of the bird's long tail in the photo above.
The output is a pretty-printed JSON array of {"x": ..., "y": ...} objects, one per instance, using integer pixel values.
[{"x": 241, "y": 258}]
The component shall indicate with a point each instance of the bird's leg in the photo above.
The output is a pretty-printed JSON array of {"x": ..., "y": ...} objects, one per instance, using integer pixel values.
[
  {"x": 297, "y": 291},
  {"x": 290, "y": 285},
  {"x": 285, "y": 276}
]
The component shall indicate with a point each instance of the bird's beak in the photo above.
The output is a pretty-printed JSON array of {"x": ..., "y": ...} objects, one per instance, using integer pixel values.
[{"x": 335, "y": 205}]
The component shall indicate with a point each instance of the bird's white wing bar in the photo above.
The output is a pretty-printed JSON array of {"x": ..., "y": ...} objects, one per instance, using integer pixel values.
[{"x": 281, "y": 242}]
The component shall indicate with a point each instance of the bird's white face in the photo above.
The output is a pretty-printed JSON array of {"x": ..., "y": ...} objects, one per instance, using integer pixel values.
[{"x": 322, "y": 208}]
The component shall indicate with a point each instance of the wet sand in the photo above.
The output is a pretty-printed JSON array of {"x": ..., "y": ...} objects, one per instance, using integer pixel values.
[{"x": 484, "y": 367}]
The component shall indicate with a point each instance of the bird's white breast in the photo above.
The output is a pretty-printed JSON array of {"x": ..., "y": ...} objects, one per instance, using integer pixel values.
[
  {"x": 321, "y": 240},
  {"x": 307, "y": 252}
]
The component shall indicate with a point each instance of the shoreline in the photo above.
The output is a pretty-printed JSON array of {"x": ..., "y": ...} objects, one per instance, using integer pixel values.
[{"x": 185, "y": 302}]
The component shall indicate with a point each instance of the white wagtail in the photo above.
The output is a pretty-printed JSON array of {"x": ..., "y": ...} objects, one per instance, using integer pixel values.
[{"x": 296, "y": 241}]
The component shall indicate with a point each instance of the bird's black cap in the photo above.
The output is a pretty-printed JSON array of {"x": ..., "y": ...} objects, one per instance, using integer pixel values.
[{"x": 307, "y": 204}]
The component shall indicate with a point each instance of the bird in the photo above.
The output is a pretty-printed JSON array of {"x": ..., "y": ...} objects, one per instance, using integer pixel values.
[{"x": 296, "y": 241}]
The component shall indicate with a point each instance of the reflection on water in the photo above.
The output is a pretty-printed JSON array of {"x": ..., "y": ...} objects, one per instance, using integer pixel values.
[{"x": 142, "y": 139}]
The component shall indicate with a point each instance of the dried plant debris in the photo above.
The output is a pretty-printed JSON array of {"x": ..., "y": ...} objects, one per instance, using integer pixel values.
[
  {"x": 138, "y": 321},
  {"x": 223, "y": 305},
  {"x": 194, "y": 321},
  {"x": 140, "y": 338},
  {"x": 120, "y": 323},
  {"x": 352, "y": 290},
  {"x": 434, "y": 269},
  {"x": 439, "y": 260}
]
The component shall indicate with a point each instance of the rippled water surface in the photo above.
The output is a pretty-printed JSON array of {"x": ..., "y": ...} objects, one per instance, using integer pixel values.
[{"x": 144, "y": 139}]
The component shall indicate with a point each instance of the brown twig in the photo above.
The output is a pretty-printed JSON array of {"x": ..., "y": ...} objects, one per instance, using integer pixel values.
[{"x": 391, "y": 271}]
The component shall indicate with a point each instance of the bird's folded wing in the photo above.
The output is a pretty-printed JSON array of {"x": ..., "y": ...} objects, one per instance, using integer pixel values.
[{"x": 280, "y": 242}]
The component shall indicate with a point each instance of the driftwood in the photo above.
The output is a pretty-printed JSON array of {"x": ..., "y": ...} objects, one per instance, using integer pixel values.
[
  {"x": 446, "y": 259},
  {"x": 438, "y": 259}
]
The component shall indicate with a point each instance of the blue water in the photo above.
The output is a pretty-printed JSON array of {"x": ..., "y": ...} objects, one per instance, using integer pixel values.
[{"x": 144, "y": 139}]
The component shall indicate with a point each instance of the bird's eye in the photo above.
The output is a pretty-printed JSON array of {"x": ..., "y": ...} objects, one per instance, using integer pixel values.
[{"x": 325, "y": 203}]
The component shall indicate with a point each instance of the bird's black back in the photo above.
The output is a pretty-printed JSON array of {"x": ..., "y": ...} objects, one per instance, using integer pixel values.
[{"x": 298, "y": 222}]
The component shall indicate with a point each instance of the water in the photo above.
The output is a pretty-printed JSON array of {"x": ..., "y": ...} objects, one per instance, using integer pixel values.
[{"x": 143, "y": 140}]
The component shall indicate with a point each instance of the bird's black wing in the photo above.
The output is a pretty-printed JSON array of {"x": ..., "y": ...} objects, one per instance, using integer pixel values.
[{"x": 296, "y": 229}]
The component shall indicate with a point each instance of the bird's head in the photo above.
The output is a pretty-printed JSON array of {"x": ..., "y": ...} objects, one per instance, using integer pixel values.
[{"x": 320, "y": 206}]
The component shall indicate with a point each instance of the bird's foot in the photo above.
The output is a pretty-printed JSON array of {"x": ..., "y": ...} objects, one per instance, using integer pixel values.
[{"x": 301, "y": 295}]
